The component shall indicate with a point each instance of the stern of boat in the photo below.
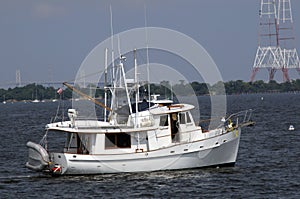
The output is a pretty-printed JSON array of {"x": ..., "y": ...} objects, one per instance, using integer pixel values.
[
  {"x": 41, "y": 161},
  {"x": 58, "y": 165}
]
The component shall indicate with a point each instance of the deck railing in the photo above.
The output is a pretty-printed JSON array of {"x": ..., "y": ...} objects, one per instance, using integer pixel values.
[{"x": 239, "y": 119}]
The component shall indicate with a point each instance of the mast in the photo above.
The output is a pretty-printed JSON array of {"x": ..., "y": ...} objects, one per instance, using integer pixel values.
[
  {"x": 112, "y": 59},
  {"x": 122, "y": 59},
  {"x": 137, "y": 93}
]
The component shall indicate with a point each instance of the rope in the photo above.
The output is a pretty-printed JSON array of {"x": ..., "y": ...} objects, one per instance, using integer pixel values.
[
  {"x": 57, "y": 110},
  {"x": 43, "y": 141}
]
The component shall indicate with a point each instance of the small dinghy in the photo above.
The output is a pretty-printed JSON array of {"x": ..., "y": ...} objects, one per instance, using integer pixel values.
[{"x": 38, "y": 158}]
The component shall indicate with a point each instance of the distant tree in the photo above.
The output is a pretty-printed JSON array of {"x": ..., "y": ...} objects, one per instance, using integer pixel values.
[
  {"x": 199, "y": 88},
  {"x": 286, "y": 87},
  {"x": 259, "y": 86},
  {"x": 31, "y": 91}
]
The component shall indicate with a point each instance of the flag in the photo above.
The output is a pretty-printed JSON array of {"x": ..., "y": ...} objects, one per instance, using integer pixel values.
[{"x": 59, "y": 91}]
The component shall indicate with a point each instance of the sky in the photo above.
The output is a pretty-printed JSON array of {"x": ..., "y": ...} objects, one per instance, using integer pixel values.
[{"x": 48, "y": 40}]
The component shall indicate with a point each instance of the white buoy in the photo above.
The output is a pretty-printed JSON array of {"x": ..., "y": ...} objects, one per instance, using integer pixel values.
[
  {"x": 291, "y": 128},
  {"x": 262, "y": 98}
]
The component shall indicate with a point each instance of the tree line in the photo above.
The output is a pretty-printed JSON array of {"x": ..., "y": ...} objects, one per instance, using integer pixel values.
[{"x": 40, "y": 92}]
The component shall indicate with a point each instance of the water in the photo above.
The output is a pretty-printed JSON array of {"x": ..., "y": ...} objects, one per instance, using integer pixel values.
[{"x": 268, "y": 163}]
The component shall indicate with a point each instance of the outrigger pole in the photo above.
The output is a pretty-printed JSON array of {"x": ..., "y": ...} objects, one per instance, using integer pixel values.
[{"x": 86, "y": 96}]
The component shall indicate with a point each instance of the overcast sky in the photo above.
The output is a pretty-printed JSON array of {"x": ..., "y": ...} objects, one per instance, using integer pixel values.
[{"x": 48, "y": 40}]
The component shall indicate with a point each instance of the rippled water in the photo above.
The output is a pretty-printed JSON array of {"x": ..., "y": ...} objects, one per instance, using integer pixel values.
[{"x": 268, "y": 164}]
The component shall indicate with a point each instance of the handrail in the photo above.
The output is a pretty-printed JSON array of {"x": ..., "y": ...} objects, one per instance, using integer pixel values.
[
  {"x": 246, "y": 114},
  {"x": 242, "y": 113}
]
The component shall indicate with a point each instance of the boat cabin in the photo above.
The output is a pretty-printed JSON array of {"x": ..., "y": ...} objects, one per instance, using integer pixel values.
[{"x": 152, "y": 129}]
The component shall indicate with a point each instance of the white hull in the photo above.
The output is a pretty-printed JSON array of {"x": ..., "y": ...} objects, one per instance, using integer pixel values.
[{"x": 219, "y": 150}]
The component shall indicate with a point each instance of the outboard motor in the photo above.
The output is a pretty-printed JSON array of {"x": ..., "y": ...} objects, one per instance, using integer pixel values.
[{"x": 72, "y": 113}]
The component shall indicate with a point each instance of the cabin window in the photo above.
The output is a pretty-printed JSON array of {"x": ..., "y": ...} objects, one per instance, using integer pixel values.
[
  {"x": 71, "y": 142},
  {"x": 117, "y": 140},
  {"x": 182, "y": 118},
  {"x": 163, "y": 120},
  {"x": 83, "y": 144},
  {"x": 188, "y": 118},
  {"x": 77, "y": 143}
]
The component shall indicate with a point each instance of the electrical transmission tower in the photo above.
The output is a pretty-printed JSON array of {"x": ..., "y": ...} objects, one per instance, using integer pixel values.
[
  {"x": 276, "y": 50},
  {"x": 18, "y": 78}
]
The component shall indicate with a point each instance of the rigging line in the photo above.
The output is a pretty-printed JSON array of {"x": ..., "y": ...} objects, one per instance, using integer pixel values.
[
  {"x": 87, "y": 96},
  {"x": 57, "y": 110}
]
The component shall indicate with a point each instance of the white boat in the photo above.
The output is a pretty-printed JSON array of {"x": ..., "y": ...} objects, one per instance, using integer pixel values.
[
  {"x": 291, "y": 128},
  {"x": 4, "y": 101},
  {"x": 157, "y": 135},
  {"x": 35, "y": 101}
]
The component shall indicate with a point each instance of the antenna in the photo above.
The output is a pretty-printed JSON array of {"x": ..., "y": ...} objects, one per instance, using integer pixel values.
[
  {"x": 111, "y": 28},
  {"x": 112, "y": 44},
  {"x": 147, "y": 52},
  {"x": 119, "y": 48},
  {"x": 112, "y": 55}
]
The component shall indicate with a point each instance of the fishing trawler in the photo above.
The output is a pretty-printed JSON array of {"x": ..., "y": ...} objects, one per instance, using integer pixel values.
[{"x": 147, "y": 135}]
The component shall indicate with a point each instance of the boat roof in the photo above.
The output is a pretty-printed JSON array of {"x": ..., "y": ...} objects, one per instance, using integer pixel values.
[
  {"x": 159, "y": 110},
  {"x": 65, "y": 128},
  {"x": 95, "y": 126}
]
